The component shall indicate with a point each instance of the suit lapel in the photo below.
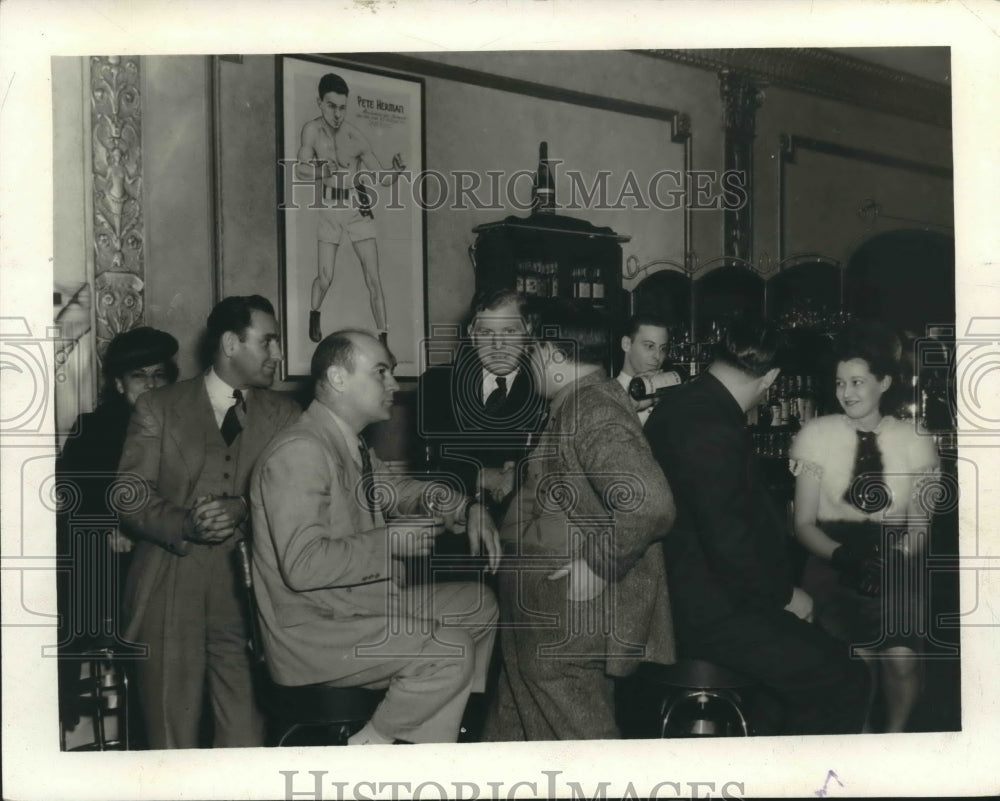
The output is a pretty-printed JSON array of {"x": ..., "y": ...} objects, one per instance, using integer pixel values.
[
  {"x": 193, "y": 422},
  {"x": 467, "y": 390},
  {"x": 350, "y": 474}
]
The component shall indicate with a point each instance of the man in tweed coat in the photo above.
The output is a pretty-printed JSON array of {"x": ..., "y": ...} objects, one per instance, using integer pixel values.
[{"x": 583, "y": 588}]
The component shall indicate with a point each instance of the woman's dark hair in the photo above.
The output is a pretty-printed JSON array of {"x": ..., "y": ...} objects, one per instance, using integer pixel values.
[{"x": 876, "y": 345}]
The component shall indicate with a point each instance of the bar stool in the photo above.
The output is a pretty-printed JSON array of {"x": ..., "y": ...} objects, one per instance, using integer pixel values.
[
  {"x": 707, "y": 701},
  {"x": 318, "y": 714},
  {"x": 309, "y": 714},
  {"x": 100, "y": 695}
]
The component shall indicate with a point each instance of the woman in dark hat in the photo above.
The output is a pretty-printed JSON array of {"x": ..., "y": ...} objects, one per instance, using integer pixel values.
[{"x": 135, "y": 361}]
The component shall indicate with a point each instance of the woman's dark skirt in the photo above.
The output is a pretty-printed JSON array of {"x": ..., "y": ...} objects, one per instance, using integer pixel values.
[{"x": 895, "y": 617}]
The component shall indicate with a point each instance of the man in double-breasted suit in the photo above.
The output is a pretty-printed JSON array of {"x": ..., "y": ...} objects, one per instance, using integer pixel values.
[
  {"x": 583, "y": 586},
  {"x": 327, "y": 565},
  {"x": 189, "y": 450},
  {"x": 477, "y": 414}
]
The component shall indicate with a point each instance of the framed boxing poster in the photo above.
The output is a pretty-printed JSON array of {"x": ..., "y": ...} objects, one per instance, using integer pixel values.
[{"x": 351, "y": 226}]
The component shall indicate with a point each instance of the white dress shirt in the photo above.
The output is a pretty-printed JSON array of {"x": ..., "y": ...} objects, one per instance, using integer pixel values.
[
  {"x": 220, "y": 395},
  {"x": 490, "y": 382}
]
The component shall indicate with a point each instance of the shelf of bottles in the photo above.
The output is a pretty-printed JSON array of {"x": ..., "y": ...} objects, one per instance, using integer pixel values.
[
  {"x": 794, "y": 399},
  {"x": 550, "y": 255},
  {"x": 812, "y": 316},
  {"x": 548, "y": 279},
  {"x": 789, "y": 404},
  {"x": 537, "y": 279}
]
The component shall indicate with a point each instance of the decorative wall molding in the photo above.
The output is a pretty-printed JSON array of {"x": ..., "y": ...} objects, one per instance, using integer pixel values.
[
  {"x": 489, "y": 80},
  {"x": 741, "y": 97},
  {"x": 116, "y": 178},
  {"x": 825, "y": 73},
  {"x": 790, "y": 144},
  {"x": 680, "y": 121},
  {"x": 869, "y": 209}
]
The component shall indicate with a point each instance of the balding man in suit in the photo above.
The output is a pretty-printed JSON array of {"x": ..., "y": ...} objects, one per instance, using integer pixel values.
[
  {"x": 328, "y": 566},
  {"x": 190, "y": 448}
]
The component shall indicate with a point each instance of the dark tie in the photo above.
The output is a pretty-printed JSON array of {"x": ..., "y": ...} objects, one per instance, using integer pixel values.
[
  {"x": 231, "y": 425},
  {"x": 367, "y": 477},
  {"x": 867, "y": 490},
  {"x": 497, "y": 396}
]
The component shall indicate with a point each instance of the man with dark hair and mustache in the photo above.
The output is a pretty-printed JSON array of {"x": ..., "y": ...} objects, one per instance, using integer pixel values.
[{"x": 189, "y": 449}]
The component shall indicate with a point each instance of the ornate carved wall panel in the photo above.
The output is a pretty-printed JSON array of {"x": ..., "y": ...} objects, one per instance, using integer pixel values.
[
  {"x": 116, "y": 173},
  {"x": 741, "y": 98}
]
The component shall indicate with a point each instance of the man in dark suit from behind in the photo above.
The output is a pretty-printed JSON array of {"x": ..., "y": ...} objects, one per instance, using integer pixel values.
[
  {"x": 733, "y": 600},
  {"x": 476, "y": 416},
  {"x": 189, "y": 450}
]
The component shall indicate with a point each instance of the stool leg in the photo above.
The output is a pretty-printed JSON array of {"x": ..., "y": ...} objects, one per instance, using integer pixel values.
[{"x": 730, "y": 698}]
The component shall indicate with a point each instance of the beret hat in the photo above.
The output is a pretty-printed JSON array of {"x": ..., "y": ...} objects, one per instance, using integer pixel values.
[{"x": 138, "y": 347}]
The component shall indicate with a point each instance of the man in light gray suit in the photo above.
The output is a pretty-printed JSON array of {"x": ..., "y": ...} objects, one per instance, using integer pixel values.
[
  {"x": 189, "y": 449},
  {"x": 328, "y": 567}
]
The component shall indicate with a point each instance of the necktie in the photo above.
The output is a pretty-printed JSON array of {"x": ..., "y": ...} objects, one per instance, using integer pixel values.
[
  {"x": 231, "y": 425},
  {"x": 867, "y": 490},
  {"x": 497, "y": 396},
  {"x": 367, "y": 477}
]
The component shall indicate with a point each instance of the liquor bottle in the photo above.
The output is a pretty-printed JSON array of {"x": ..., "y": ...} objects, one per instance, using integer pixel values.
[
  {"x": 763, "y": 414},
  {"x": 654, "y": 386},
  {"x": 797, "y": 400},
  {"x": 582, "y": 282},
  {"x": 808, "y": 400},
  {"x": 775, "y": 403},
  {"x": 530, "y": 279},
  {"x": 544, "y": 201},
  {"x": 596, "y": 284},
  {"x": 553, "y": 271}
]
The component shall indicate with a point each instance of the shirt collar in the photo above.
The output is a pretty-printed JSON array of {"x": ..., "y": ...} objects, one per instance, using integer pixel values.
[
  {"x": 219, "y": 392},
  {"x": 490, "y": 381}
]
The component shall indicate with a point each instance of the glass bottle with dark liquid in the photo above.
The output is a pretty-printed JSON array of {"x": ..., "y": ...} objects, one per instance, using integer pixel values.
[{"x": 545, "y": 189}]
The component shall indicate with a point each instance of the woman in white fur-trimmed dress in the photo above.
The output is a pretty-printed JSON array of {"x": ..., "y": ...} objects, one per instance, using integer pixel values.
[{"x": 860, "y": 480}]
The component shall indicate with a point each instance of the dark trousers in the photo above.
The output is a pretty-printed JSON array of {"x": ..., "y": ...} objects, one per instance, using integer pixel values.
[
  {"x": 821, "y": 689},
  {"x": 196, "y": 630}
]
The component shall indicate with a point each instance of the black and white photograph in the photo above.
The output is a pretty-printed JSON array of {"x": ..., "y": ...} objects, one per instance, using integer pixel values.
[
  {"x": 639, "y": 444},
  {"x": 362, "y": 124}
]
